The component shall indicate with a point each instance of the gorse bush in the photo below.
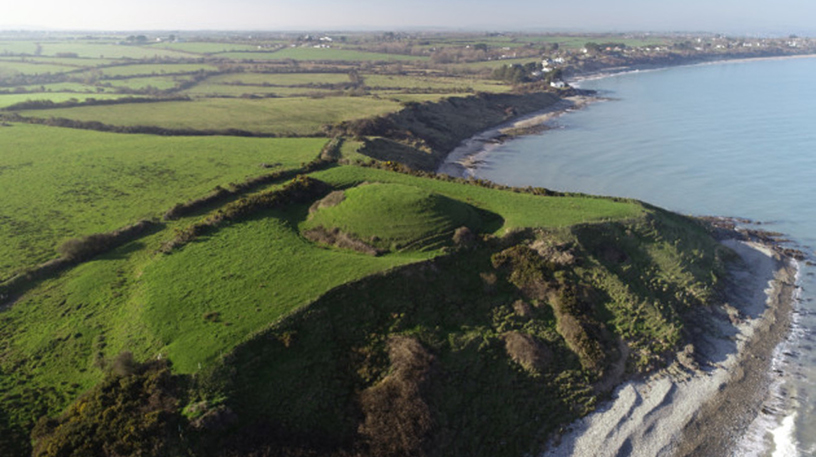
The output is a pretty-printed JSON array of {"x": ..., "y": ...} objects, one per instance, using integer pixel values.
[
  {"x": 79, "y": 249},
  {"x": 133, "y": 412}
]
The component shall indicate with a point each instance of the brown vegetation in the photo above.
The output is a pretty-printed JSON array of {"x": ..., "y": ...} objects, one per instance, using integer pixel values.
[
  {"x": 528, "y": 352},
  {"x": 397, "y": 419},
  {"x": 335, "y": 237}
]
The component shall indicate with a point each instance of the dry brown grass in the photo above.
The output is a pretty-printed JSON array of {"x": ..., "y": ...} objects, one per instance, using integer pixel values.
[
  {"x": 337, "y": 238},
  {"x": 528, "y": 352},
  {"x": 333, "y": 199},
  {"x": 397, "y": 419}
]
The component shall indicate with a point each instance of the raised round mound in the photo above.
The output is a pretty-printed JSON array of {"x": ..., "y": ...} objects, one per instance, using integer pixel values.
[{"x": 394, "y": 217}]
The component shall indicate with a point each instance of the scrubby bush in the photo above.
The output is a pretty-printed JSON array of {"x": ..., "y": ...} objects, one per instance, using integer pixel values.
[
  {"x": 134, "y": 413},
  {"x": 83, "y": 248}
]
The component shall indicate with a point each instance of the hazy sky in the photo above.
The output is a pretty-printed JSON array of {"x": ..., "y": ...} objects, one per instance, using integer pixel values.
[{"x": 747, "y": 16}]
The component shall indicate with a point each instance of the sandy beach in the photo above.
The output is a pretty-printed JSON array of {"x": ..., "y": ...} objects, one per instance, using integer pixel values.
[
  {"x": 700, "y": 407},
  {"x": 462, "y": 161}
]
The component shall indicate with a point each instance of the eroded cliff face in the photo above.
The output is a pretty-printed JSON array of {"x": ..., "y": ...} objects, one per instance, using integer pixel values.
[{"x": 421, "y": 135}]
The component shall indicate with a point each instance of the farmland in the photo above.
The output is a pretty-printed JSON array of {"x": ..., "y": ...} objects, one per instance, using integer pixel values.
[
  {"x": 96, "y": 182},
  {"x": 281, "y": 116}
]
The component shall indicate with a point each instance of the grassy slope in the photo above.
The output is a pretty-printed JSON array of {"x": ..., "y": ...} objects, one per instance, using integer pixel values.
[
  {"x": 251, "y": 274},
  {"x": 322, "y": 372},
  {"x": 301, "y": 116},
  {"x": 397, "y": 217},
  {"x": 11, "y": 99},
  {"x": 517, "y": 210},
  {"x": 93, "y": 182},
  {"x": 305, "y": 327}
]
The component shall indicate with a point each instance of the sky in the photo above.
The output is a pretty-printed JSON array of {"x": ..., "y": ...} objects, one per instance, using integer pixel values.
[{"x": 744, "y": 16}]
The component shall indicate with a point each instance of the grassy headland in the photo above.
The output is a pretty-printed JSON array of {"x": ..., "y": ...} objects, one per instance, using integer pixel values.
[{"x": 364, "y": 307}]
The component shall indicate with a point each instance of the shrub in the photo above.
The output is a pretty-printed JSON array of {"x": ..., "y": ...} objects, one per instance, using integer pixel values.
[
  {"x": 397, "y": 419},
  {"x": 79, "y": 249},
  {"x": 133, "y": 413}
]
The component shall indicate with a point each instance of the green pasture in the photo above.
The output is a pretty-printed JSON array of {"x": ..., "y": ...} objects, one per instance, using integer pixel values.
[
  {"x": 317, "y": 54},
  {"x": 402, "y": 97},
  {"x": 66, "y": 87},
  {"x": 17, "y": 47},
  {"x": 284, "y": 116},
  {"x": 247, "y": 276},
  {"x": 154, "y": 69},
  {"x": 396, "y": 217},
  {"x": 228, "y": 90},
  {"x": 200, "y": 47},
  {"x": 491, "y": 64},
  {"x": 56, "y": 97},
  {"x": 110, "y": 51},
  {"x": 280, "y": 79},
  {"x": 8, "y": 68},
  {"x": 158, "y": 82},
  {"x": 433, "y": 83},
  {"x": 76, "y": 62},
  {"x": 61, "y": 183},
  {"x": 518, "y": 210}
]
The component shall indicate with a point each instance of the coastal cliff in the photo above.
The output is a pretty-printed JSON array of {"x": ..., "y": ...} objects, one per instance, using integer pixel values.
[{"x": 421, "y": 135}]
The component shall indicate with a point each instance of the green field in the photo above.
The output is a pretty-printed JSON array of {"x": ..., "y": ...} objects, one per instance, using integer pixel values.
[
  {"x": 66, "y": 87},
  {"x": 300, "y": 116},
  {"x": 158, "y": 82},
  {"x": 96, "y": 182},
  {"x": 56, "y": 97},
  {"x": 332, "y": 54},
  {"x": 517, "y": 210},
  {"x": 280, "y": 79},
  {"x": 8, "y": 69},
  {"x": 228, "y": 90},
  {"x": 67, "y": 61},
  {"x": 396, "y": 217},
  {"x": 433, "y": 83},
  {"x": 205, "y": 48},
  {"x": 154, "y": 69}
]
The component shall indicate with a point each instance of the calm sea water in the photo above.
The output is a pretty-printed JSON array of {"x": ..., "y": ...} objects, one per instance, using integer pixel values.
[{"x": 729, "y": 139}]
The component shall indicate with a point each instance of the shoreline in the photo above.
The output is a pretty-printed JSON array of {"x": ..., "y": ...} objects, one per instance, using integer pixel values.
[
  {"x": 705, "y": 401},
  {"x": 462, "y": 161},
  {"x": 614, "y": 71}
]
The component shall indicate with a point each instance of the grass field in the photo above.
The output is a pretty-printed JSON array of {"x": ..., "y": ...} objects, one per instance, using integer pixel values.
[
  {"x": 205, "y": 47},
  {"x": 396, "y": 217},
  {"x": 300, "y": 116},
  {"x": 67, "y": 61},
  {"x": 110, "y": 51},
  {"x": 24, "y": 68},
  {"x": 433, "y": 83},
  {"x": 199, "y": 302},
  {"x": 66, "y": 87},
  {"x": 280, "y": 79},
  {"x": 159, "y": 82},
  {"x": 227, "y": 90},
  {"x": 154, "y": 69},
  {"x": 95, "y": 182},
  {"x": 517, "y": 210},
  {"x": 10, "y": 99},
  {"x": 303, "y": 53}
]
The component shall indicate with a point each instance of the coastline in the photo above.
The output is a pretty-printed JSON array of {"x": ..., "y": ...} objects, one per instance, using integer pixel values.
[
  {"x": 704, "y": 402},
  {"x": 686, "y": 411},
  {"x": 465, "y": 158}
]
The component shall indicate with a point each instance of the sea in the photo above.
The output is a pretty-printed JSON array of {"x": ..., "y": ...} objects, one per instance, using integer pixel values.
[{"x": 734, "y": 138}]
